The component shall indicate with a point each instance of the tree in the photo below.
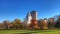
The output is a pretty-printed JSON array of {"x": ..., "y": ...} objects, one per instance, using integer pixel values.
[
  {"x": 13, "y": 25},
  {"x": 34, "y": 24},
  {"x": 17, "y": 23},
  {"x": 43, "y": 24},
  {"x": 58, "y": 22},
  {"x": 51, "y": 23}
]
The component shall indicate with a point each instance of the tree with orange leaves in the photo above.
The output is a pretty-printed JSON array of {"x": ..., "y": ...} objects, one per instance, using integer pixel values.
[{"x": 34, "y": 24}]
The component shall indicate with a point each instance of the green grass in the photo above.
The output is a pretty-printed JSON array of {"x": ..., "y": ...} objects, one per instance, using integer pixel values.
[{"x": 29, "y": 31}]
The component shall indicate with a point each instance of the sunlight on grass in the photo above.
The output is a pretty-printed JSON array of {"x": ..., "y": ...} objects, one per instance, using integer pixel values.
[{"x": 29, "y": 31}]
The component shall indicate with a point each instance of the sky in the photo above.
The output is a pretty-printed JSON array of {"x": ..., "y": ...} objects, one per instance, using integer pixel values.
[{"x": 12, "y": 9}]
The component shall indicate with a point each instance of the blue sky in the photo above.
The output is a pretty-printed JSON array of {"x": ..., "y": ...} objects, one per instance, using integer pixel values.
[{"x": 11, "y": 9}]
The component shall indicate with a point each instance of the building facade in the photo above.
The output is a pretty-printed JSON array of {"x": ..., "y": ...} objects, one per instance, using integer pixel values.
[
  {"x": 31, "y": 16},
  {"x": 34, "y": 15}
]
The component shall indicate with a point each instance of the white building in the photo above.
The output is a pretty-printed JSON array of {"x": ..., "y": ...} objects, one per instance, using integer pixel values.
[{"x": 28, "y": 18}]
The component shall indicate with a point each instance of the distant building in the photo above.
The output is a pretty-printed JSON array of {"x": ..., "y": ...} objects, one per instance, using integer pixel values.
[
  {"x": 6, "y": 22},
  {"x": 28, "y": 18},
  {"x": 4, "y": 25},
  {"x": 51, "y": 20},
  {"x": 34, "y": 15}
]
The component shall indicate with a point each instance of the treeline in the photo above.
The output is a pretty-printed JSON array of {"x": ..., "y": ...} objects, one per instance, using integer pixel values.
[{"x": 35, "y": 24}]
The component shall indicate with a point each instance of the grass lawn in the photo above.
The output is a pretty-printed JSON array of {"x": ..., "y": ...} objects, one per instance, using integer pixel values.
[{"x": 29, "y": 31}]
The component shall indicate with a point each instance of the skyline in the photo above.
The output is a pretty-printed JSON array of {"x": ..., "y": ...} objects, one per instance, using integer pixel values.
[{"x": 12, "y": 9}]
